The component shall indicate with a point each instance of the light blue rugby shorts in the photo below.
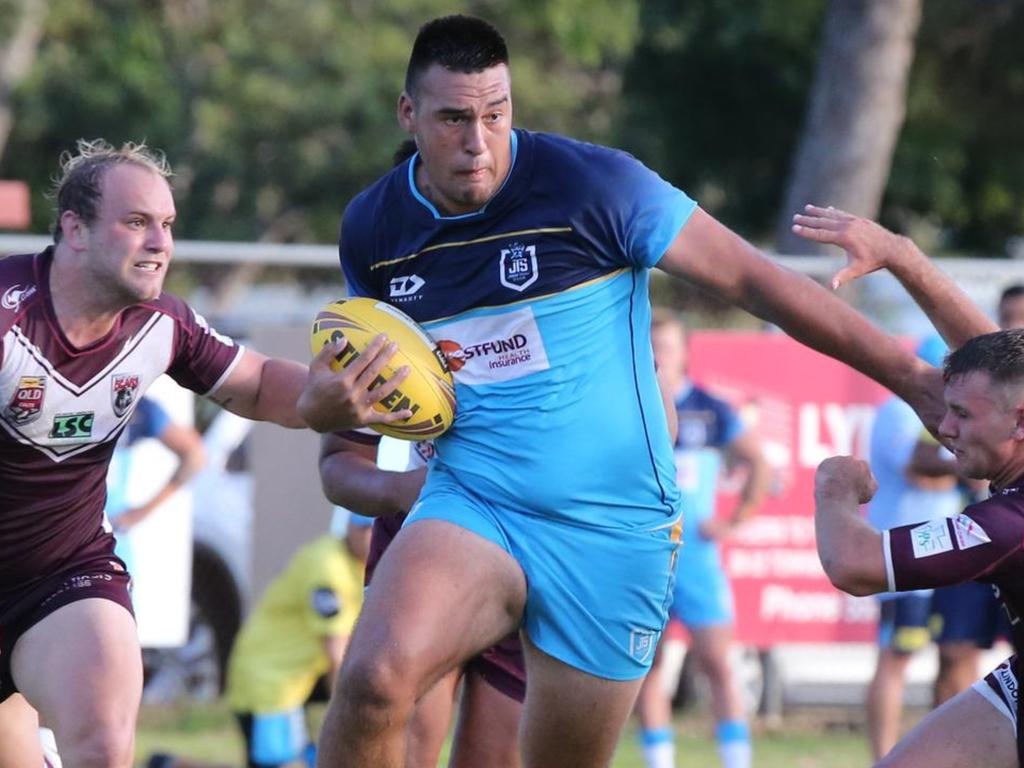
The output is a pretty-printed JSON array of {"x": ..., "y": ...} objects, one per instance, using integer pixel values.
[
  {"x": 703, "y": 596},
  {"x": 597, "y": 598}
]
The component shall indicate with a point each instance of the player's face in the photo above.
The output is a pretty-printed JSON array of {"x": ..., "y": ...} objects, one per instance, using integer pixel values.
[
  {"x": 1011, "y": 313},
  {"x": 669, "y": 342},
  {"x": 130, "y": 241},
  {"x": 982, "y": 427},
  {"x": 462, "y": 123},
  {"x": 129, "y": 244}
]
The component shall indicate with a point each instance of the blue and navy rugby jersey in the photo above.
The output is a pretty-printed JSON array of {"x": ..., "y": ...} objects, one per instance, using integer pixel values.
[
  {"x": 706, "y": 426},
  {"x": 540, "y": 301}
]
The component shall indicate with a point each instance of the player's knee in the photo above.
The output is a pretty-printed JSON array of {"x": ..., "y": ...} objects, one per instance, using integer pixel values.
[
  {"x": 376, "y": 687},
  {"x": 98, "y": 746}
]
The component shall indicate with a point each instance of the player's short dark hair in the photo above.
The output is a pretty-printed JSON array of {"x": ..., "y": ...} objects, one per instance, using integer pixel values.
[
  {"x": 999, "y": 354},
  {"x": 1011, "y": 292},
  {"x": 405, "y": 150},
  {"x": 79, "y": 187},
  {"x": 459, "y": 44}
]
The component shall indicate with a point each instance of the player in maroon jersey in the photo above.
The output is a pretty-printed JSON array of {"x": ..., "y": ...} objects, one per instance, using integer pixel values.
[
  {"x": 984, "y": 428},
  {"x": 84, "y": 330}
]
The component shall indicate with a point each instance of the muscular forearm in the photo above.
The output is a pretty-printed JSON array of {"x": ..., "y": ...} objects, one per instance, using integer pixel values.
[
  {"x": 850, "y": 549},
  {"x": 817, "y": 318},
  {"x": 280, "y": 386},
  {"x": 355, "y": 482},
  {"x": 952, "y": 313}
]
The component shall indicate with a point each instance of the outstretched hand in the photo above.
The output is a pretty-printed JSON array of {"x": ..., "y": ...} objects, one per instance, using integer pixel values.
[
  {"x": 336, "y": 401},
  {"x": 869, "y": 246}
]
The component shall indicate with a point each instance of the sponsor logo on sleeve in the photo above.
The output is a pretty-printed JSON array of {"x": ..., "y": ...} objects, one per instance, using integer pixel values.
[
  {"x": 931, "y": 538},
  {"x": 124, "y": 388},
  {"x": 518, "y": 266},
  {"x": 15, "y": 295},
  {"x": 968, "y": 533},
  {"x": 72, "y": 426},
  {"x": 502, "y": 347},
  {"x": 27, "y": 402},
  {"x": 326, "y": 603}
]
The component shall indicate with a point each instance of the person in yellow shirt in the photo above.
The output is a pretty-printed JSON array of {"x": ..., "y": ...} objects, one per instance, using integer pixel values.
[{"x": 297, "y": 633}]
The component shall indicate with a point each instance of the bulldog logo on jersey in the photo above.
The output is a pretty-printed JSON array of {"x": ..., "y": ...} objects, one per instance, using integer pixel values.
[
  {"x": 518, "y": 266},
  {"x": 27, "y": 403},
  {"x": 124, "y": 387}
]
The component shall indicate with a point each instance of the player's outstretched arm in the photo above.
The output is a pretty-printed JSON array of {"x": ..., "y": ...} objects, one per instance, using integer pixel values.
[
  {"x": 292, "y": 395},
  {"x": 711, "y": 256},
  {"x": 849, "y": 548},
  {"x": 351, "y": 478},
  {"x": 870, "y": 246}
]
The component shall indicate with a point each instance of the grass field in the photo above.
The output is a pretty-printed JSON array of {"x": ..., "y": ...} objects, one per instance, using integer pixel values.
[{"x": 808, "y": 739}]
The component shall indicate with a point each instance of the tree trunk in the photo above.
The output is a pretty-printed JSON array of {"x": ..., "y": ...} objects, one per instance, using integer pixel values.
[
  {"x": 16, "y": 58},
  {"x": 857, "y": 106}
]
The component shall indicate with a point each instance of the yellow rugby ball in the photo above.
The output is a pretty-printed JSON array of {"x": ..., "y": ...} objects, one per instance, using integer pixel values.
[{"x": 428, "y": 391}]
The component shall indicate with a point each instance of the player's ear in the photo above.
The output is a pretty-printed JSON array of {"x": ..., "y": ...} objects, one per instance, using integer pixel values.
[
  {"x": 406, "y": 112},
  {"x": 73, "y": 230},
  {"x": 1018, "y": 430}
]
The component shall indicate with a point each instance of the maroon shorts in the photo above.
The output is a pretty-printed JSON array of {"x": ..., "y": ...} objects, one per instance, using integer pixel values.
[
  {"x": 501, "y": 666},
  {"x": 1001, "y": 687},
  {"x": 93, "y": 577}
]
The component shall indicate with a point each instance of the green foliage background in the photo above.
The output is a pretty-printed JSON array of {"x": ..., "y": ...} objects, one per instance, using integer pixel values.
[{"x": 275, "y": 113}]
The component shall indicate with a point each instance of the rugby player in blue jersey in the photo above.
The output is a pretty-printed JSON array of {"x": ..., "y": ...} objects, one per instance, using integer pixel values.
[{"x": 551, "y": 506}]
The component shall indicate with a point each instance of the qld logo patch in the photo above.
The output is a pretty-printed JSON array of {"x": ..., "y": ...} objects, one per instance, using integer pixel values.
[
  {"x": 27, "y": 403},
  {"x": 518, "y": 266},
  {"x": 124, "y": 388}
]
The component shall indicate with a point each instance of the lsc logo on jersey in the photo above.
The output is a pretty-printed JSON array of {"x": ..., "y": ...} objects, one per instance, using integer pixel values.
[
  {"x": 27, "y": 403},
  {"x": 124, "y": 387},
  {"x": 518, "y": 266},
  {"x": 72, "y": 426}
]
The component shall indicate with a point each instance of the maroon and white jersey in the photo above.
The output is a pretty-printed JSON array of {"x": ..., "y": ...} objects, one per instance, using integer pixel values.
[
  {"x": 62, "y": 409},
  {"x": 983, "y": 543}
]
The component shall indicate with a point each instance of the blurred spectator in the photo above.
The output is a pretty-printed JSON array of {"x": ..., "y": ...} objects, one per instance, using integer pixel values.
[
  {"x": 149, "y": 420},
  {"x": 297, "y": 632},
  {"x": 708, "y": 429}
]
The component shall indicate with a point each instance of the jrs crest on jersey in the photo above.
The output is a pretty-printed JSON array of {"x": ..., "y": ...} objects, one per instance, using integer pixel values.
[
  {"x": 519, "y": 266},
  {"x": 124, "y": 389}
]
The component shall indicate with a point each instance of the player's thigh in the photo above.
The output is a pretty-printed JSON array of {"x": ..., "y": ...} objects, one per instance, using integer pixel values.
[
  {"x": 571, "y": 719},
  {"x": 81, "y": 666},
  {"x": 441, "y": 593},
  {"x": 966, "y": 730},
  {"x": 430, "y": 720},
  {"x": 487, "y": 732},
  {"x": 19, "y": 734}
]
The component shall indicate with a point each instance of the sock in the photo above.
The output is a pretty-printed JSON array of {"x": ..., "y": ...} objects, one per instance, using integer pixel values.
[
  {"x": 733, "y": 737},
  {"x": 659, "y": 747}
]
